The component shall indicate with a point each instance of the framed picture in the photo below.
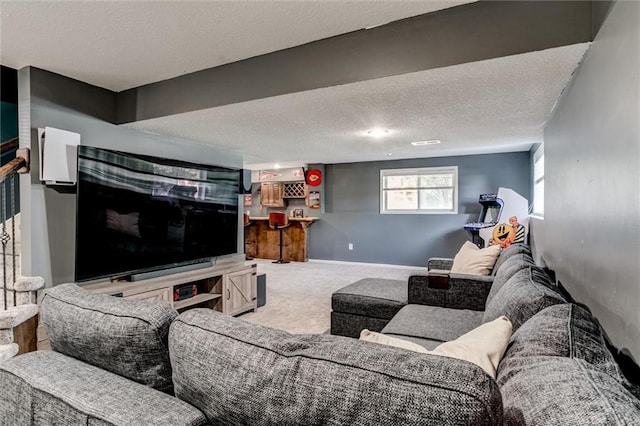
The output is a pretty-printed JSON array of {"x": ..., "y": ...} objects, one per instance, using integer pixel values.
[
  {"x": 314, "y": 199},
  {"x": 297, "y": 213}
]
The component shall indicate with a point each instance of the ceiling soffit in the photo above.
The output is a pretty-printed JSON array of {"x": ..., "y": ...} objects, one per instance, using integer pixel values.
[{"x": 462, "y": 34}]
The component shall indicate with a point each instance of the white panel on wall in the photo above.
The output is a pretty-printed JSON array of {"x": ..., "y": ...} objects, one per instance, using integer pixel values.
[{"x": 58, "y": 155}]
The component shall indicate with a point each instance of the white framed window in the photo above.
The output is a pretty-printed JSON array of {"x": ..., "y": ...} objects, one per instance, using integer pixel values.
[
  {"x": 538, "y": 182},
  {"x": 424, "y": 190}
]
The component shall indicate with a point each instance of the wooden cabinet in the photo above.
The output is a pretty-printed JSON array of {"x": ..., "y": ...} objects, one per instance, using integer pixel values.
[
  {"x": 296, "y": 190},
  {"x": 267, "y": 241},
  {"x": 240, "y": 292},
  {"x": 272, "y": 194},
  {"x": 228, "y": 287},
  {"x": 153, "y": 295}
]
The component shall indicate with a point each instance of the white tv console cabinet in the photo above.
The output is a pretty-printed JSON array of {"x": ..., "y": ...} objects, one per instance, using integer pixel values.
[{"x": 229, "y": 287}]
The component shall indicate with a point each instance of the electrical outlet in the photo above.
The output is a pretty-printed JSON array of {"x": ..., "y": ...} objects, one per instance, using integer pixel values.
[{"x": 350, "y": 246}]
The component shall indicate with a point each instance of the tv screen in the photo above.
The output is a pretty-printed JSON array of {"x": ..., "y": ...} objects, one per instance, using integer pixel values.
[{"x": 138, "y": 213}]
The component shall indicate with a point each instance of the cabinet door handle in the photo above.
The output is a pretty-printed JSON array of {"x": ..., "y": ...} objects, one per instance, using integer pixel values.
[{"x": 228, "y": 294}]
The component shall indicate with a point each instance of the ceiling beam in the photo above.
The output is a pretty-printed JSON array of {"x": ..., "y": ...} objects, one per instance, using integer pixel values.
[{"x": 467, "y": 33}]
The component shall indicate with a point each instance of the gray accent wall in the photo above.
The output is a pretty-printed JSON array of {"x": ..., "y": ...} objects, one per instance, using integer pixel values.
[
  {"x": 352, "y": 210},
  {"x": 48, "y": 220},
  {"x": 590, "y": 234},
  {"x": 466, "y": 33}
]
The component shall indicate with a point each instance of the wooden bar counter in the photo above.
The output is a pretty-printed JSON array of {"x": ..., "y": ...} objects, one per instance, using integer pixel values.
[{"x": 262, "y": 242}]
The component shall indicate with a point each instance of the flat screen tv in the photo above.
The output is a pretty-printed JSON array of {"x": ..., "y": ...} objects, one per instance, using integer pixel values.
[{"x": 138, "y": 213}]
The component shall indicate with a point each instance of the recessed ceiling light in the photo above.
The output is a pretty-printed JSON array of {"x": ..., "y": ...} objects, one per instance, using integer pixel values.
[
  {"x": 276, "y": 166},
  {"x": 389, "y": 154},
  {"x": 376, "y": 133},
  {"x": 430, "y": 142}
]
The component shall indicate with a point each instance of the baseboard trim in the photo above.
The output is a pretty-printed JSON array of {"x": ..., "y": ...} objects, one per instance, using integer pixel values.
[{"x": 386, "y": 265}]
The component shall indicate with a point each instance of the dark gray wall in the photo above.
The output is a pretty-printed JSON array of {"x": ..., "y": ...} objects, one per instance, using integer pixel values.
[
  {"x": 352, "y": 210},
  {"x": 590, "y": 234},
  {"x": 48, "y": 219},
  {"x": 466, "y": 33}
]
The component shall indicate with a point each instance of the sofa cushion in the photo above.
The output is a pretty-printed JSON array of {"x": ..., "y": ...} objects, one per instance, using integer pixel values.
[
  {"x": 565, "y": 330},
  {"x": 475, "y": 261},
  {"x": 522, "y": 296},
  {"x": 508, "y": 269},
  {"x": 483, "y": 346},
  {"x": 350, "y": 325},
  {"x": 49, "y": 388},
  {"x": 371, "y": 297},
  {"x": 126, "y": 337},
  {"x": 508, "y": 252},
  {"x": 386, "y": 339},
  {"x": 429, "y": 344},
  {"x": 242, "y": 373},
  {"x": 461, "y": 291},
  {"x": 433, "y": 322},
  {"x": 543, "y": 390}
]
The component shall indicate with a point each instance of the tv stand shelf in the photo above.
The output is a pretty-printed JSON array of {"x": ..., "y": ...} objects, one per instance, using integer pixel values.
[
  {"x": 195, "y": 300},
  {"x": 229, "y": 287}
]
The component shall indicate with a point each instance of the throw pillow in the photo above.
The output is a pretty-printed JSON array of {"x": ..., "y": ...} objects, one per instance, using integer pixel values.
[
  {"x": 475, "y": 261},
  {"x": 126, "y": 337},
  {"x": 484, "y": 345},
  {"x": 383, "y": 339}
]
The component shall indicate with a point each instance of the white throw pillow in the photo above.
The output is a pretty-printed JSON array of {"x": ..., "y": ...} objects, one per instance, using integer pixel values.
[
  {"x": 383, "y": 339},
  {"x": 484, "y": 345},
  {"x": 475, "y": 261}
]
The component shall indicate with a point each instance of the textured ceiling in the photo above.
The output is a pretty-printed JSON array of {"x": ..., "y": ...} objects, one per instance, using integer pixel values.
[
  {"x": 497, "y": 105},
  {"x": 123, "y": 44},
  {"x": 489, "y": 106}
]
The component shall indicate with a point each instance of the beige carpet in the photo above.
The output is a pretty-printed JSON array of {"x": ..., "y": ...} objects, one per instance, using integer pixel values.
[{"x": 299, "y": 293}]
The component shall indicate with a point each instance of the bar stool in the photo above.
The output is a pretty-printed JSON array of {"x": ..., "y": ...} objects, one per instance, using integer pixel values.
[
  {"x": 247, "y": 223},
  {"x": 279, "y": 221}
]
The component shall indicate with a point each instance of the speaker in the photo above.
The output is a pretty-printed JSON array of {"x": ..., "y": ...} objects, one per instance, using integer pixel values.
[{"x": 262, "y": 289}]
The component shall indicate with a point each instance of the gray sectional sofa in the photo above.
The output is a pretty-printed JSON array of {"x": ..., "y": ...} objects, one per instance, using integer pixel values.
[
  {"x": 557, "y": 368},
  {"x": 122, "y": 362}
]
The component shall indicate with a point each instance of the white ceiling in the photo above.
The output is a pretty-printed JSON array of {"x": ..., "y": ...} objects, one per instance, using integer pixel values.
[
  {"x": 490, "y": 106},
  {"x": 475, "y": 108},
  {"x": 123, "y": 44}
]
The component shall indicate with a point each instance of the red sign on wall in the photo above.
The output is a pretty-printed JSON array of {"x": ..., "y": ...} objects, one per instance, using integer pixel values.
[{"x": 314, "y": 177}]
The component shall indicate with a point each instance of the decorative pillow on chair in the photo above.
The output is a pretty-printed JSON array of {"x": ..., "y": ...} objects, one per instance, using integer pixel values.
[
  {"x": 484, "y": 345},
  {"x": 475, "y": 261}
]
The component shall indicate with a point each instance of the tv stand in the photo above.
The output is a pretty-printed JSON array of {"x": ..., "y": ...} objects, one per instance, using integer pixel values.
[{"x": 228, "y": 286}]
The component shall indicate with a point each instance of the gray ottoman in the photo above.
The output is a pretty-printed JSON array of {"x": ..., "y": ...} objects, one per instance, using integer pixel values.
[{"x": 369, "y": 303}]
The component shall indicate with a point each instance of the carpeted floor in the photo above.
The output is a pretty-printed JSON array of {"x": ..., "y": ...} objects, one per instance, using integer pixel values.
[{"x": 299, "y": 293}]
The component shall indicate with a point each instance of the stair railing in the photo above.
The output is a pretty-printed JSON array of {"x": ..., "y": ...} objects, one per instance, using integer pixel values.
[{"x": 8, "y": 189}]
